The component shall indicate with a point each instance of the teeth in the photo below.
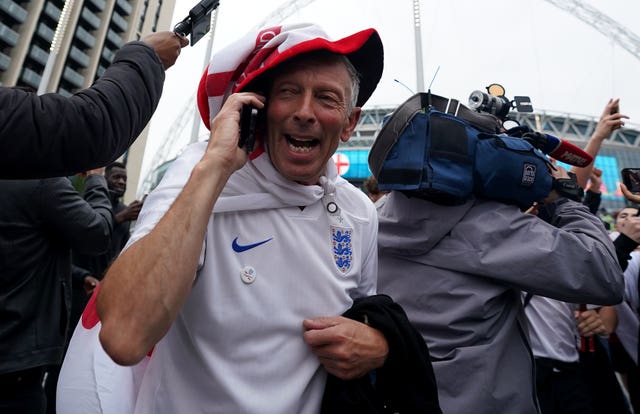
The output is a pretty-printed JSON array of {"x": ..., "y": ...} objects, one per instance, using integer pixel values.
[
  {"x": 304, "y": 144},
  {"x": 298, "y": 149}
]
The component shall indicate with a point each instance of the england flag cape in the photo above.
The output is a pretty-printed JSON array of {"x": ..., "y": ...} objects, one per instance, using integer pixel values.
[{"x": 90, "y": 382}]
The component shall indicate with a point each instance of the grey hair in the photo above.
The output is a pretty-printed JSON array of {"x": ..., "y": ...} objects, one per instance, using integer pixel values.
[{"x": 354, "y": 76}]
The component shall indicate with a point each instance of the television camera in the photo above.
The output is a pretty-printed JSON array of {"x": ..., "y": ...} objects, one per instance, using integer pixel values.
[
  {"x": 198, "y": 21},
  {"x": 495, "y": 102}
]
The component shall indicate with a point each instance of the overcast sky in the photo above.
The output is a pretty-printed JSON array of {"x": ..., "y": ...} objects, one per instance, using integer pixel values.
[{"x": 531, "y": 47}]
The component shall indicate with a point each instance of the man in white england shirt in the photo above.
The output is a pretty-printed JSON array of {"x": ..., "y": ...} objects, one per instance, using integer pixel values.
[{"x": 238, "y": 270}]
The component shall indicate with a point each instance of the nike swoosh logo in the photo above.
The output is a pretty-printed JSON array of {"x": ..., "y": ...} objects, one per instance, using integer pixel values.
[{"x": 239, "y": 248}]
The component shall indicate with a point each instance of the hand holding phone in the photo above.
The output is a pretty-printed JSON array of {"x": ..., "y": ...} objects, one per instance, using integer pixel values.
[
  {"x": 248, "y": 121},
  {"x": 631, "y": 179}
]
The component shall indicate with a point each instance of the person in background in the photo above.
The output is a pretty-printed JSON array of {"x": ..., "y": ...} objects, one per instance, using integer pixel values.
[
  {"x": 626, "y": 348},
  {"x": 52, "y": 135},
  {"x": 88, "y": 270},
  {"x": 371, "y": 187},
  {"x": 40, "y": 222},
  {"x": 569, "y": 343}
]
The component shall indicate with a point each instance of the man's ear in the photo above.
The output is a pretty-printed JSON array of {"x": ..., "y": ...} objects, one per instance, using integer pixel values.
[{"x": 352, "y": 122}]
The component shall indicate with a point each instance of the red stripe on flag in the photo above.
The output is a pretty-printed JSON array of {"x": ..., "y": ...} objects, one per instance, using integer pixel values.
[
  {"x": 217, "y": 83},
  {"x": 90, "y": 314}
]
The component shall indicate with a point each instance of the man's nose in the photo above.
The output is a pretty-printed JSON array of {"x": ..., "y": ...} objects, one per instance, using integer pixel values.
[{"x": 305, "y": 112}]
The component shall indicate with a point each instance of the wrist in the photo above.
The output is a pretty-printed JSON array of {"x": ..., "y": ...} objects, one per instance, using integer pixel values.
[
  {"x": 599, "y": 136},
  {"x": 215, "y": 168},
  {"x": 569, "y": 188}
]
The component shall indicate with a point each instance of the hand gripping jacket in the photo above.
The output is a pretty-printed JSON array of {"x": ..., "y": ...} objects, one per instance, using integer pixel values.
[{"x": 437, "y": 149}]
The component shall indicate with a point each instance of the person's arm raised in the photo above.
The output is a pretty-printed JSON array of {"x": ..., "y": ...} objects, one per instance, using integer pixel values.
[
  {"x": 145, "y": 288},
  {"x": 610, "y": 120}
]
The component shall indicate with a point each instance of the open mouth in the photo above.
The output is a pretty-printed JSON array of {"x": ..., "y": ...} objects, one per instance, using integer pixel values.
[{"x": 297, "y": 144}]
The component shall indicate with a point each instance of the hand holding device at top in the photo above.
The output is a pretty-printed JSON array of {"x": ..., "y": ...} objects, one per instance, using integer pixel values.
[
  {"x": 167, "y": 45},
  {"x": 610, "y": 120}
]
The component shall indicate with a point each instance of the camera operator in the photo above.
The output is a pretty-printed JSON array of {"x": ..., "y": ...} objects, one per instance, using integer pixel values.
[{"x": 458, "y": 271}]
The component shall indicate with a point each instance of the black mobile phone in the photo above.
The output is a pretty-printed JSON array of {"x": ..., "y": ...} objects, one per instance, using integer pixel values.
[
  {"x": 248, "y": 122},
  {"x": 631, "y": 179}
]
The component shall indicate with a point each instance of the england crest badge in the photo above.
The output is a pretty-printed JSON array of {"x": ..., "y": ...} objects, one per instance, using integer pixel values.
[{"x": 342, "y": 247}]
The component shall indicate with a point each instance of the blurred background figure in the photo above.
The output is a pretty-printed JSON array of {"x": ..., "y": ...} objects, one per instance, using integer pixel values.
[
  {"x": 40, "y": 222},
  {"x": 89, "y": 269},
  {"x": 372, "y": 190}
]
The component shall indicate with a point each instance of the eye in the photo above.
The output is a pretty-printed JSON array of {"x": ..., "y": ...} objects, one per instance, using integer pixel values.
[
  {"x": 329, "y": 99},
  {"x": 286, "y": 90}
]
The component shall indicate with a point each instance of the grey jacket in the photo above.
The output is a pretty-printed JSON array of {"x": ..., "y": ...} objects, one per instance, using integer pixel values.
[{"x": 458, "y": 271}]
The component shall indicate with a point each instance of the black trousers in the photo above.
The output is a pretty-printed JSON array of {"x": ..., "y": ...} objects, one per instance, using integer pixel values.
[
  {"x": 562, "y": 388},
  {"x": 21, "y": 392}
]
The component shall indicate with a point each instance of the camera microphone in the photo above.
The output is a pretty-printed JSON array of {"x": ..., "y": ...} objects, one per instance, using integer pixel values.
[{"x": 559, "y": 149}]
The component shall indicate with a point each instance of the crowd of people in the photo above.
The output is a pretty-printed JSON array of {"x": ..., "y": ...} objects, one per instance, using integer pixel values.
[{"x": 258, "y": 280}]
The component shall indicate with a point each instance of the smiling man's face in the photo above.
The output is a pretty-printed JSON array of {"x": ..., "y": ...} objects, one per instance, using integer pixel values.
[
  {"x": 307, "y": 117},
  {"x": 117, "y": 181}
]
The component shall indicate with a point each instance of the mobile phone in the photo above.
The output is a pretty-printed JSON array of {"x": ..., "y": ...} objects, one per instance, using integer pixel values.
[
  {"x": 615, "y": 110},
  {"x": 248, "y": 122},
  {"x": 631, "y": 179}
]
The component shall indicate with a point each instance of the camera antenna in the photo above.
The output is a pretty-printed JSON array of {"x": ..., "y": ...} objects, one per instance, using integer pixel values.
[
  {"x": 408, "y": 88},
  {"x": 433, "y": 79},
  {"x": 429, "y": 89}
]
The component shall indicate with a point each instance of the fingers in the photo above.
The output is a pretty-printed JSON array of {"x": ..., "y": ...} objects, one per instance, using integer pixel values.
[
  {"x": 90, "y": 284},
  {"x": 223, "y": 149},
  {"x": 182, "y": 39},
  {"x": 559, "y": 171},
  {"x": 320, "y": 323},
  {"x": 533, "y": 210},
  {"x": 635, "y": 198},
  {"x": 167, "y": 45},
  {"x": 589, "y": 323},
  {"x": 345, "y": 347},
  {"x": 319, "y": 331}
]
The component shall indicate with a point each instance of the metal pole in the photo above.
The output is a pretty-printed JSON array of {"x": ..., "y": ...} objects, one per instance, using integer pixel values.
[
  {"x": 195, "y": 129},
  {"x": 418, "y": 44},
  {"x": 58, "y": 35}
]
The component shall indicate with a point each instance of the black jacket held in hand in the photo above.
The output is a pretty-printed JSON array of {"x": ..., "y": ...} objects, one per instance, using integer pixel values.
[
  {"x": 405, "y": 384},
  {"x": 52, "y": 135},
  {"x": 40, "y": 222}
]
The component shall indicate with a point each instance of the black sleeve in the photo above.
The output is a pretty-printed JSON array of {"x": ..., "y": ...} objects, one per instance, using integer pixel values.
[
  {"x": 52, "y": 135},
  {"x": 624, "y": 246},
  {"x": 592, "y": 201},
  {"x": 83, "y": 224}
]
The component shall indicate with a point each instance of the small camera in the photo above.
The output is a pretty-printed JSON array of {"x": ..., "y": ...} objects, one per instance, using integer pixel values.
[{"x": 495, "y": 102}]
